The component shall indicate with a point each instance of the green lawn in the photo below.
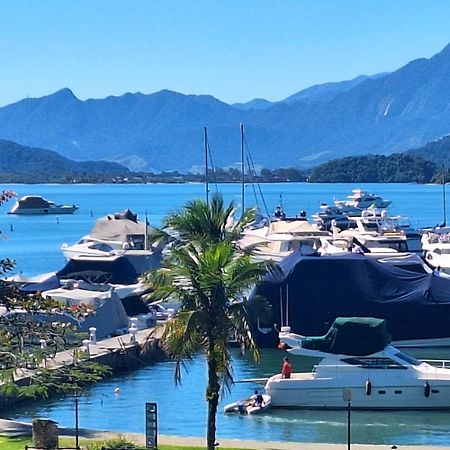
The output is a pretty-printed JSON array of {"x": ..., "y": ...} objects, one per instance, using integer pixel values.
[{"x": 19, "y": 444}]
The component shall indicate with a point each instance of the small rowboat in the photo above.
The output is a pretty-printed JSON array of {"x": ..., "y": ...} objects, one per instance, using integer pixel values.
[{"x": 248, "y": 406}]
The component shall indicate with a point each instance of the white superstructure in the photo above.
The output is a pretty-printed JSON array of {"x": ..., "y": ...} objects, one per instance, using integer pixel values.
[{"x": 388, "y": 379}]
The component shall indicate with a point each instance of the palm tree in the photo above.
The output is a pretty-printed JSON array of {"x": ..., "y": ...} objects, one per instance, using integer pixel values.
[{"x": 208, "y": 273}]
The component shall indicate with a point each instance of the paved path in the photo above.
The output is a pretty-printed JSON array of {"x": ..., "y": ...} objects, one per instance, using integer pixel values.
[{"x": 12, "y": 428}]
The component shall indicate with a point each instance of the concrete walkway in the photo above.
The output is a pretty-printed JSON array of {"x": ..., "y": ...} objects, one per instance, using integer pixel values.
[
  {"x": 13, "y": 428},
  {"x": 247, "y": 444}
]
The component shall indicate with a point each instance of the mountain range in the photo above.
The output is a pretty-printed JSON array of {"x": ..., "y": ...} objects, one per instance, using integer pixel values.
[
  {"x": 381, "y": 114},
  {"x": 18, "y": 159}
]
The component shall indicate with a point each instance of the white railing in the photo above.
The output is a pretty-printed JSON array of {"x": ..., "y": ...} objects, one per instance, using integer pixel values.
[{"x": 438, "y": 363}]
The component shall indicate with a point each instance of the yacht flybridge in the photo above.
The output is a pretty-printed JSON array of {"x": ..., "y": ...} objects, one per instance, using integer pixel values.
[{"x": 358, "y": 365}]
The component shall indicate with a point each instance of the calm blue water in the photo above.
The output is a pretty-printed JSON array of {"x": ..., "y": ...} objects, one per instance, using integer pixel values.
[{"x": 34, "y": 243}]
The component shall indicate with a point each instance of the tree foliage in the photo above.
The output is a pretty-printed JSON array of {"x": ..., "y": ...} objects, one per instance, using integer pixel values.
[
  {"x": 396, "y": 168},
  {"x": 28, "y": 344},
  {"x": 207, "y": 272}
]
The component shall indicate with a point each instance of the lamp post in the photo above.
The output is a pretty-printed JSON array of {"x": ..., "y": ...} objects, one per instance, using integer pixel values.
[{"x": 347, "y": 395}]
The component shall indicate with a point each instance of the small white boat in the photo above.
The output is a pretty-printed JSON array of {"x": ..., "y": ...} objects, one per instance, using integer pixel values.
[
  {"x": 33, "y": 205},
  {"x": 359, "y": 368},
  {"x": 249, "y": 406}
]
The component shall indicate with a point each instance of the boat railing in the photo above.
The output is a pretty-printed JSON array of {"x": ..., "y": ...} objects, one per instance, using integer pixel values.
[{"x": 438, "y": 363}]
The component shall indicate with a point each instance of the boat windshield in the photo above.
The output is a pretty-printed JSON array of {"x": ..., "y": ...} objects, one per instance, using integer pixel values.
[{"x": 409, "y": 359}]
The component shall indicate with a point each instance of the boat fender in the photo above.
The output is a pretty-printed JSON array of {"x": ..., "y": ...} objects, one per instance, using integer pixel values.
[
  {"x": 426, "y": 389},
  {"x": 282, "y": 345},
  {"x": 368, "y": 387}
]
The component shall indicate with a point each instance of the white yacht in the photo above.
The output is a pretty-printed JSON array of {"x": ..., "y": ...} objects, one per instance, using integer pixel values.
[
  {"x": 360, "y": 200},
  {"x": 358, "y": 368},
  {"x": 113, "y": 235},
  {"x": 280, "y": 238},
  {"x": 436, "y": 248},
  {"x": 33, "y": 204},
  {"x": 378, "y": 233}
]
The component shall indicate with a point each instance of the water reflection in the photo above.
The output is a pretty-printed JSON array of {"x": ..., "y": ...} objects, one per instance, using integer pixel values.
[{"x": 182, "y": 410}]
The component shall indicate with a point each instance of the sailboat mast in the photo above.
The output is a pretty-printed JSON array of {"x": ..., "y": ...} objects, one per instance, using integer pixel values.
[
  {"x": 443, "y": 196},
  {"x": 242, "y": 170},
  {"x": 205, "y": 139}
]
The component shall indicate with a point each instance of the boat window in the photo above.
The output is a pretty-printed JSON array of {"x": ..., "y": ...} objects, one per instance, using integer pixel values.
[
  {"x": 435, "y": 391},
  {"x": 409, "y": 359},
  {"x": 102, "y": 247},
  {"x": 374, "y": 363},
  {"x": 397, "y": 392},
  {"x": 382, "y": 392}
]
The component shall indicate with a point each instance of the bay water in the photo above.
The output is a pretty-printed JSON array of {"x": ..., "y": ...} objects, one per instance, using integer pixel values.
[{"x": 34, "y": 242}]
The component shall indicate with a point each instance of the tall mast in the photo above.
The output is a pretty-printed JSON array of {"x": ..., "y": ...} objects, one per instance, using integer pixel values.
[
  {"x": 205, "y": 130},
  {"x": 443, "y": 196},
  {"x": 242, "y": 170}
]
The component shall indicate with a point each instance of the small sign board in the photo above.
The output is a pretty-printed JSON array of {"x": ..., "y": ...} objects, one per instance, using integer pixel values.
[
  {"x": 347, "y": 395},
  {"x": 151, "y": 425}
]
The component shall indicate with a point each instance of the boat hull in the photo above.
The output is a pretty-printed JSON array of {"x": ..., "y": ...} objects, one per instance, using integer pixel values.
[
  {"x": 44, "y": 211},
  {"x": 318, "y": 394}
]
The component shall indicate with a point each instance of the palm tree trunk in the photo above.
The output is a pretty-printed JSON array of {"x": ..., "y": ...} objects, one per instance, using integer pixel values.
[{"x": 212, "y": 396}]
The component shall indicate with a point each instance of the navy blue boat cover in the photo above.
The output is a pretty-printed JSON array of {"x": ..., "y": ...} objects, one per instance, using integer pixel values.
[{"x": 314, "y": 290}]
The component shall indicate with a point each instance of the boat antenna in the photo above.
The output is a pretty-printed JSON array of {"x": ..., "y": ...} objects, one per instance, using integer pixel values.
[
  {"x": 443, "y": 196},
  {"x": 281, "y": 305},
  {"x": 205, "y": 140},
  {"x": 242, "y": 170}
]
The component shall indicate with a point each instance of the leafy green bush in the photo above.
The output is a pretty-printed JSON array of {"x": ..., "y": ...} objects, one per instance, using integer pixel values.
[{"x": 119, "y": 443}]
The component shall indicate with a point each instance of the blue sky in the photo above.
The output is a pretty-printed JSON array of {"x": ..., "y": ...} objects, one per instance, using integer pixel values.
[{"x": 235, "y": 50}]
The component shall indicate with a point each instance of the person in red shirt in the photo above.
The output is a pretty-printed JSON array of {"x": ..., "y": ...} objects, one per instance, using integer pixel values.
[{"x": 286, "y": 370}]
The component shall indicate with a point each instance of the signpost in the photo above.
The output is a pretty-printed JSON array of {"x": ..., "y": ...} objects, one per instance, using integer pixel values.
[
  {"x": 347, "y": 394},
  {"x": 151, "y": 425}
]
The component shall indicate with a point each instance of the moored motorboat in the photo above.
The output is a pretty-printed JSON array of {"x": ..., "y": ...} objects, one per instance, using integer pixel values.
[
  {"x": 360, "y": 200},
  {"x": 33, "y": 204},
  {"x": 359, "y": 368},
  {"x": 312, "y": 291},
  {"x": 436, "y": 248},
  {"x": 248, "y": 406}
]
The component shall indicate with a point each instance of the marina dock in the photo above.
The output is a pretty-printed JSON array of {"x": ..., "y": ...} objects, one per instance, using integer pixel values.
[{"x": 118, "y": 352}]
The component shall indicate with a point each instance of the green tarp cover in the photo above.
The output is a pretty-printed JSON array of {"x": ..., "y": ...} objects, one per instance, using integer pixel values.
[{"x": 357, "y": 336}]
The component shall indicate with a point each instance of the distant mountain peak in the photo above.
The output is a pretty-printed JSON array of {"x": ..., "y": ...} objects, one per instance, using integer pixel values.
[{"x": 64, "y": 93}]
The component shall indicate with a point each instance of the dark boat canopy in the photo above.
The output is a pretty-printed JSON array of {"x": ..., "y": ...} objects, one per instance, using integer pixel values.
[
  {"x": 312, "y": 291},
  {"x": 357, "y": 336},
  {"x": 118, "y": 270}
]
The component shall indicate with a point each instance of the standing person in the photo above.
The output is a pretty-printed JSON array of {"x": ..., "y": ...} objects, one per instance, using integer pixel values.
[{"x": 286, "y": 370}]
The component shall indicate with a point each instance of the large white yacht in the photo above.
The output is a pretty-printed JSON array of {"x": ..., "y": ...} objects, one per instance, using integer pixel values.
[
  {"x": 33, "y": 204},
  {"x": 380, "y": 232},
  {"x": 279, "y": 238},
  {"x": 360, "y": 200},
  {"x": 359, "y": 368}
]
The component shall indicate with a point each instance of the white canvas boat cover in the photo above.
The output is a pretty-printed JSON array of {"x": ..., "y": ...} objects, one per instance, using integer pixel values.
[
  {"x": 296, "y": 227},
  {"x": 112, "y": 229},
  {"x": 109, "y": 314}
]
